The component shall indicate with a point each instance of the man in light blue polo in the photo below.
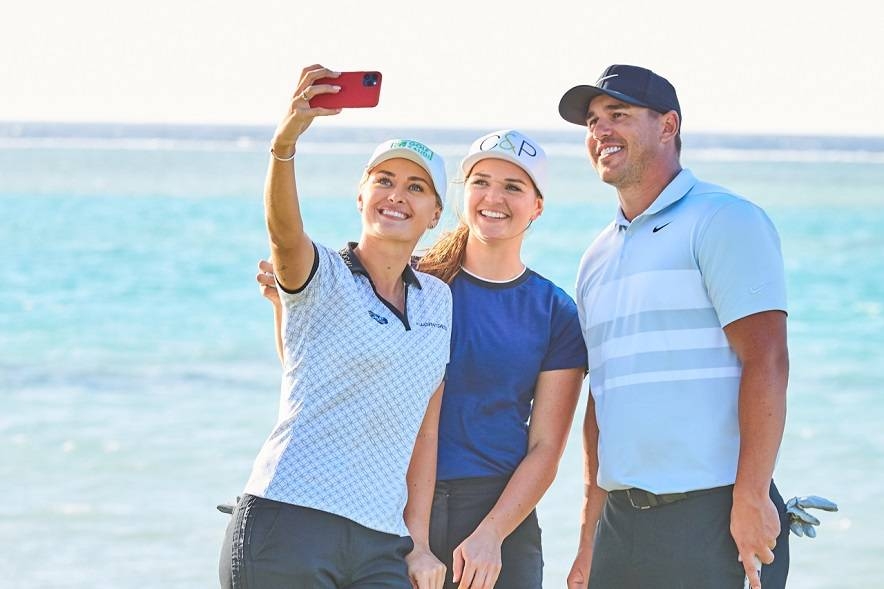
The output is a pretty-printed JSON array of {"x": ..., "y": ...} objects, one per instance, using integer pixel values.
[{"x": 682, "y": 304}]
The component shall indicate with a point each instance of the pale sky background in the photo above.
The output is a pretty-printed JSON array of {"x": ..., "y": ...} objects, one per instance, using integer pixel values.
[{"x": 753, "y": 66}]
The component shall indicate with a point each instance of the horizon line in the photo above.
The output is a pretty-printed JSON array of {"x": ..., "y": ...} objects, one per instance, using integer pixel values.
[{"x": 563, "y": 129}]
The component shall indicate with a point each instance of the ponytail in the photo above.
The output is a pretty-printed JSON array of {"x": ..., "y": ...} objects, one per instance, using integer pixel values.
[{"x": 445, "y": 258}]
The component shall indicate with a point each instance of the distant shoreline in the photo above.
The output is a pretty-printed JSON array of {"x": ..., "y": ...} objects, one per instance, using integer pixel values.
[
  {"x": 339, "y": 140},
  {"x": 12, "y": 130}
]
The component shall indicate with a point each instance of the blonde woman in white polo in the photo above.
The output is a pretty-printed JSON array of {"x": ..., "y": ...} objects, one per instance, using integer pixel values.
[{"x": 335, "y": 499}]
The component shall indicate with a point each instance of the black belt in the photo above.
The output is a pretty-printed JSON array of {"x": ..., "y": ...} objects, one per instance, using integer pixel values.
[{"x": 641, "y": 499}]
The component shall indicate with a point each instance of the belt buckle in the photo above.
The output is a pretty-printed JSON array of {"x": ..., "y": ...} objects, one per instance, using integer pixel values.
[{"x": 633, "y": 503}]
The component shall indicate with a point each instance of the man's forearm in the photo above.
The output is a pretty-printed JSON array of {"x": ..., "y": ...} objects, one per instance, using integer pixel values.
[{"x": 762, "y": 408}]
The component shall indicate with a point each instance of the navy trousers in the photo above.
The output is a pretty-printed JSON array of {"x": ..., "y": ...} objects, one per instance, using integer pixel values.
[{"x": 458, "y": 508}]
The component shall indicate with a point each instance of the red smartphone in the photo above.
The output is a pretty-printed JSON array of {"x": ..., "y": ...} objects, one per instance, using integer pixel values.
[{"x": 358, "y": 90}]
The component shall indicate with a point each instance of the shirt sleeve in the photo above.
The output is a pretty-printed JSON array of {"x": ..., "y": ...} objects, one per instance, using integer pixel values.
[
  {"x": 322, "y": 280},
  {"x": 566, "y": 346},
  {"x": 739, "y": 255}
]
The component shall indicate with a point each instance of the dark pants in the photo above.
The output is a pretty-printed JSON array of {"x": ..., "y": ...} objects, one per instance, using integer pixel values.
[
  {"x": 682, "y": 545},
  {"x": 458, "y": 508},
  {"x": 273, "y": 545}
]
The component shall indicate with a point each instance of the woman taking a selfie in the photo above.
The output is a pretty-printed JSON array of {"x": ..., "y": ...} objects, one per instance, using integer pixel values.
[{"x": 365, "y": 341}]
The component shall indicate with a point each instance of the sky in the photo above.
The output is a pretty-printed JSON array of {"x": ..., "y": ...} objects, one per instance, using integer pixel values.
[{"x": 755, "y": 66}]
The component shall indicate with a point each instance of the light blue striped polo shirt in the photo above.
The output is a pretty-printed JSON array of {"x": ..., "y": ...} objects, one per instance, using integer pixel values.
[
  {"x": 357, "y": 379},
  {"x": 653, "y": 296}
]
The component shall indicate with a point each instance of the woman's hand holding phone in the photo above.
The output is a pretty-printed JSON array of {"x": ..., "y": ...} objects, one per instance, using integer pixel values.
[
  {"x": 301, "y": 112},
  {"x": 357, "y": 90}
]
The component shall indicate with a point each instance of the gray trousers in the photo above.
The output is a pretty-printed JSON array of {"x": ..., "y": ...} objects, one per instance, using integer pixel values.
[
  {"x": 682, "y": 545},
  {"x": 273, "y": 545}
]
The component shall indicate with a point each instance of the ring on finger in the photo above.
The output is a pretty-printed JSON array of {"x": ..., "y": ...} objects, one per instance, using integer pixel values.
[{"x": 303, "y": 96}]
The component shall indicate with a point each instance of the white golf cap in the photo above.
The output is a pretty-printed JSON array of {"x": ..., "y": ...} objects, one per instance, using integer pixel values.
[
  {"x": 416, "y": 152},
  {"x": 512, "y": 146}
]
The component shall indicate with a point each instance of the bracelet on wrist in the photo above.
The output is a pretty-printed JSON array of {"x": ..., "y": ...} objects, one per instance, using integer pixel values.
[{"x": 282, "y": 159}]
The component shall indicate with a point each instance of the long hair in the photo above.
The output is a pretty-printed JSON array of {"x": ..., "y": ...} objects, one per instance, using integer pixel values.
[{"x": 445, "y": 258}]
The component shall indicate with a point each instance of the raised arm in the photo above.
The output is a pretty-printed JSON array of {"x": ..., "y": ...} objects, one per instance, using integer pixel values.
[
  {"x": 291, "y": 250},
  {"x": 478, "y": 560}
]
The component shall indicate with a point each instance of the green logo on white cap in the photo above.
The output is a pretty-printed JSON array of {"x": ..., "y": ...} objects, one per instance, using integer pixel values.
[{"x": 415, "y": 146}]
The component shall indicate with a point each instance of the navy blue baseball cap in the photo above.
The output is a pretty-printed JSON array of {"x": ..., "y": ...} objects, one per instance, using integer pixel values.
[{"x": 629, "y": 83}]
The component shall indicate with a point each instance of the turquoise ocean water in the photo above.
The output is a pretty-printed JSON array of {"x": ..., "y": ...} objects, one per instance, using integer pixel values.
[{"x": 138, "y": 375}]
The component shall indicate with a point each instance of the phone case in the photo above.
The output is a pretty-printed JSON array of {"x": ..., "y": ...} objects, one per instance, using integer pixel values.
[{"x": 358, "y": 90}]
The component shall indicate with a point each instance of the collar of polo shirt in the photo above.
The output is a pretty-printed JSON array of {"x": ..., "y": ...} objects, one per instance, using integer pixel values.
[
  {"x": 674, "y": 192},
  {"x": 355, "y": 265}
]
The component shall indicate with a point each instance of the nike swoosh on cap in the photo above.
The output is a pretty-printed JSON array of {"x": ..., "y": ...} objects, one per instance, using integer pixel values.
[{"x": 602, "y": 79}]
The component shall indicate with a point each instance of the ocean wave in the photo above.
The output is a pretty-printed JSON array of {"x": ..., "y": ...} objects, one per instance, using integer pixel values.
[
  {"x": 244, "y": 144},
  {"x": 454, "y": 150},
  {"x": 722, "y": 154},
  {"x": 788, "y": 156}
]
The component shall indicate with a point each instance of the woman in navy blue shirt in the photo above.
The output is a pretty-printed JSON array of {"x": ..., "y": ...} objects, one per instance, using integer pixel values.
[{"x": 517, "y": 363}]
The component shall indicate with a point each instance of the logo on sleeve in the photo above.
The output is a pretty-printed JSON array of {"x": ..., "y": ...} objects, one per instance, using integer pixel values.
[
  {"x": 757, "y": 288},
  {"x": 380, "y": 319}
]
